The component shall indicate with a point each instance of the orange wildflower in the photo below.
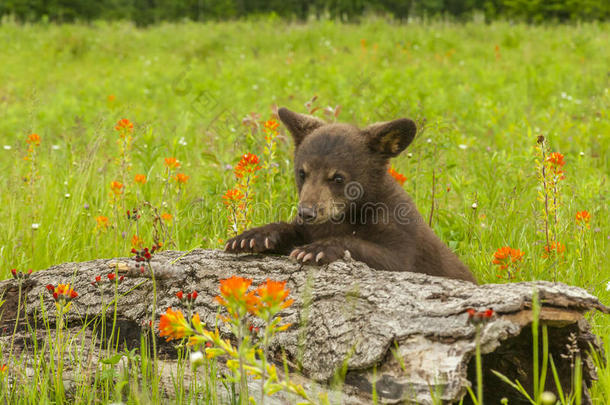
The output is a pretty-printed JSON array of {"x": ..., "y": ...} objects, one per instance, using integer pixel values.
[
  {"x": 3, "y": 368},
  {"x": 167, "y": 217},
  {"x": 140, "y": 178},
  {"x": 497, "y": 51},
  {"x": 173, "y": 325},
  {"x": 181, "y": 178},
  {"x": 172, "y": 163},
  {"x": 124, "y": 126},
  {"x": 505, "y": 256},
  {"x": 479, "y": 317},
  {"x": 583, "y": 218},
  {"x": 232, "y": 196},
  {"x": 556, "y": 162},
  {"x": 271, "y": 125},
  {"x": 62, "y": 292},
  {"x": 234, "y": 287},
  {"x": 33, "y": 139},
  {"x": 397, "y": 176},
  {"x": 102, "y": 222},
  {"x": 137, "y": 242},
  {"x": 116, "y": 187},
  {"x": 557, "y": 247},
  {"x": 234, "y": 296},
  {"x": 272, "y": 295},
  {"x": 247, "y": 165},
  {"x": 556, "y": 159},
  {"x": 111, "y": 98}
]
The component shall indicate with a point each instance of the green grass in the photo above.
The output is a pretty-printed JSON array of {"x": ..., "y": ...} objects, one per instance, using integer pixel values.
[{"x": 484, "y": 92}]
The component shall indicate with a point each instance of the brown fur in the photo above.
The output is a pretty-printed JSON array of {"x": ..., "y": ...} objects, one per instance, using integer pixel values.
[{"x": 349, "y": 201}]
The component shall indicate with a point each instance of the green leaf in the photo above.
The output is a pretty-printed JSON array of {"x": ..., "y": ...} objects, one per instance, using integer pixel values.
[
  {"x": 209, "y": 157},
  {"x": 112, "y": 359}
]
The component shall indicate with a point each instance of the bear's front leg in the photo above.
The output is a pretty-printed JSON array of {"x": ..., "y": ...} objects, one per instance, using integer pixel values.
[
  {"x": 330, "y": 249},
  {"x": 277, "y": 237}
]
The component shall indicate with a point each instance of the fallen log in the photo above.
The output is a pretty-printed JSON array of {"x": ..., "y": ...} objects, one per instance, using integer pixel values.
[{"x": 405, "y": 334}]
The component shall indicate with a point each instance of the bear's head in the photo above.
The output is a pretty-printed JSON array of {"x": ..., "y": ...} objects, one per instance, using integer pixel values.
[{"x": 339, "y": 166}]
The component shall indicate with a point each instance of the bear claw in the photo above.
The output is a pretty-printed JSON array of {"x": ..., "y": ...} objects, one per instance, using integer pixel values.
[{"x": 319, "y": 257}]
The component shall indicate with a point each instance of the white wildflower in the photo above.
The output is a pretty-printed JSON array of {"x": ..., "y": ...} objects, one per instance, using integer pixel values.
[{"x": 196, "y": 359}]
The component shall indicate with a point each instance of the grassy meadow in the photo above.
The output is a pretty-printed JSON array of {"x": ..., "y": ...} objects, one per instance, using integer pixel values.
[{"x": 481, "y": 94}]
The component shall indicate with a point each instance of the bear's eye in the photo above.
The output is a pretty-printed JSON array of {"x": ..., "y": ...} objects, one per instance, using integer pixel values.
[
  {"x": 302, "y": 174},
  {"x": 337, "y": 178}
]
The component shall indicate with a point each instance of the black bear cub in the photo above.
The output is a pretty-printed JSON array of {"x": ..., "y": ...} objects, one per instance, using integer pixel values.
[{"x": 349, "y": 201}]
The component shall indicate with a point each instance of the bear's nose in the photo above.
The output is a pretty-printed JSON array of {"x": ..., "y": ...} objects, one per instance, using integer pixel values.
[{"x": 307, "y": 213}]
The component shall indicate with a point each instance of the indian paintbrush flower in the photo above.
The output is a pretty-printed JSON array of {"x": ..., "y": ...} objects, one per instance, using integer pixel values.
[
  {"x": 189, "y": 298},
  {"x": 555, "y": 248},
  {"x": 234, "y": 296},
  {"x": 556, "y": 162},
  {"x": 21, "y": 275},
  {"x": 172, "y": 163},
  {"x": 583, "y": 218},
  {"x": 247, "y": 165},
  {"x": 271, "y": 125},
  {"x": 116, "y": 187},
  {"x": 508, "y": 259},
  {"x": 102, "y": 223},
  {"x": 62, "y": 293},
  {"x": 506, "y": 255},
  {"x": 397, "y": 176},
  {"x": 272, "y": 298},
  {"x": 173, "y": 325},
  {"x": 231, "y": 196},
  {"x": 33, "y": 139},
  {"x": 124, "y": 126},
  {"x": 479, "y": 317},
  {"x": 181, "y": 178}
]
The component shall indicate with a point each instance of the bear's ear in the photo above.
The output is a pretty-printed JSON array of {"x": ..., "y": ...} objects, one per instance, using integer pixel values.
[
  {"x": 299, "y": 125},
  {"x": 392, "y": 137}
]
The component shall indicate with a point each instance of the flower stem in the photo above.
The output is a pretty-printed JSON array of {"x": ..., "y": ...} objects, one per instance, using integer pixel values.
[
  {"x": 10, "y": 352},
  {"x": 243, "y": 383},
  {"x": 152, "y": 325},
  {"x": 479, "y": 365},
  {"x": 114, "y": 316},
  {"x": 264, "y": 361}
]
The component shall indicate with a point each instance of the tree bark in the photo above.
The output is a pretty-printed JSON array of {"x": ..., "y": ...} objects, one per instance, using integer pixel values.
[{"x": 405, "y": 334}]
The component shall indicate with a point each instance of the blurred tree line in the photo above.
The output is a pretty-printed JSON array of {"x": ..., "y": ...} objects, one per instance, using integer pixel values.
[{"x": 144, "y": 12}]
